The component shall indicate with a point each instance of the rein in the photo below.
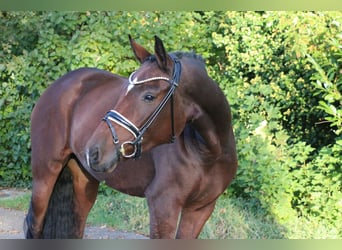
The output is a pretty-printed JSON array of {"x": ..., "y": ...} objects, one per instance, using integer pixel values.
[{"x": 138, "y": 133}]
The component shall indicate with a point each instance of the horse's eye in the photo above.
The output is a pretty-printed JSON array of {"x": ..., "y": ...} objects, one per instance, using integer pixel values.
[{"x": 149, "y": 98}]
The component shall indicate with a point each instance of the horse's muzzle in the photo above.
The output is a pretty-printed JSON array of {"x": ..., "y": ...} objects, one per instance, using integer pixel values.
[{"x": 96, "y": 161}]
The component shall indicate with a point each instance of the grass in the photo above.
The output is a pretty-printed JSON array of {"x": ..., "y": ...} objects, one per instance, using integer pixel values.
[
  {"x": 236, "y": 218},
  {"x": 19, "y": 202},
  {"x": 233, "y": 218},
  {"x": 121, "y": 212}
]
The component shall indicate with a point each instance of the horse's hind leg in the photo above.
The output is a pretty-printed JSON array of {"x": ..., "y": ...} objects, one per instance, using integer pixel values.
[
  {"x": 193, "y": 220},
  {"x": 60, "y": 202},
  {"x": 42, "y": 187},
  {"x": 85, "y": 192}
]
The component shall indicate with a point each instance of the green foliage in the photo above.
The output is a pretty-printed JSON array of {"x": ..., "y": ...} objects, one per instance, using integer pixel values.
[
  {"x": 329, "y": 83},
  {"x": 286, "y": 126},
  {"x": 317, "y": 186},
  {"x": 281, "y": 72}
]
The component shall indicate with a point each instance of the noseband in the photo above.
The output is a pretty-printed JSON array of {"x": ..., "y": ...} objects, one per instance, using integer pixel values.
[{"x": 138, "y": 133}]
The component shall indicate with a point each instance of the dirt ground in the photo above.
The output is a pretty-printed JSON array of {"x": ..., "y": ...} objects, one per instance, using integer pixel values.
[{"x": 11, "y": 224}]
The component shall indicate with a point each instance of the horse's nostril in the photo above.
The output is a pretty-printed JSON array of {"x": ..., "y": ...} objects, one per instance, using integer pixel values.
[{"x": 94, "y": 155}]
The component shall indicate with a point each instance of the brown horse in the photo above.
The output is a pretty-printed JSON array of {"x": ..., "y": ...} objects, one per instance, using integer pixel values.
[{"x": 91, "y": 125}]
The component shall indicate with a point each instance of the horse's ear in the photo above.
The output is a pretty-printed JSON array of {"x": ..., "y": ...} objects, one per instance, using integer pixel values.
[
  {"x": 139, "y": 51},
  {"x": 163, "y": 59}
]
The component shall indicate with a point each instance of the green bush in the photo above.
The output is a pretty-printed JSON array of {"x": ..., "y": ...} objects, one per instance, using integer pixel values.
[
  {"x": 286, "y": 125},
  {"x": 281, "y": 72}
]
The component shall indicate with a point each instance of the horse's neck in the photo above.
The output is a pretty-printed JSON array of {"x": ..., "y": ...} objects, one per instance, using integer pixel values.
[{"x": 210, "y": 114}]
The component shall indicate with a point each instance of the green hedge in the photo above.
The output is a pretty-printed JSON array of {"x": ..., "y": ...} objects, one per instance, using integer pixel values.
[{"x": 281, "y": 72}]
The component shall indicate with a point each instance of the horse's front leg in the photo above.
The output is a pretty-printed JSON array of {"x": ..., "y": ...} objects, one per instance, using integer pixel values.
[
  {"x": 164, "y": 213},
  {"x": 193, "y": 220}
]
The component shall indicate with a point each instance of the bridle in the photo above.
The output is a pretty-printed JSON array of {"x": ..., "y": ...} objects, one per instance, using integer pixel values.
[{"x": 138, "y": 133}]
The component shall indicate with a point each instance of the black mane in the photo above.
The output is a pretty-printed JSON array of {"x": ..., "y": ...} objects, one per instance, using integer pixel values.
[{"x": 180, "y": 55}]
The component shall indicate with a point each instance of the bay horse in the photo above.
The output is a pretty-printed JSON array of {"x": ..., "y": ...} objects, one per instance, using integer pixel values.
[{"x": 164, "y": 133}]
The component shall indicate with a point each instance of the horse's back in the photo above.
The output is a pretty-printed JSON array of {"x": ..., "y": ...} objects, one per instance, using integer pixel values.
[
  {"x": 67, "y": 89},
  {"x": 71, "y": 86}
]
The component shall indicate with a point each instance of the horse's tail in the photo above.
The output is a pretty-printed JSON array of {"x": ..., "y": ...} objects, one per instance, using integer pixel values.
[{"x": 60, "y": 221}]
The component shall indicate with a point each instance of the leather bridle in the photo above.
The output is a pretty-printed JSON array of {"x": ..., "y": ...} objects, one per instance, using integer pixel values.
[{"x": 138, "y": 133}]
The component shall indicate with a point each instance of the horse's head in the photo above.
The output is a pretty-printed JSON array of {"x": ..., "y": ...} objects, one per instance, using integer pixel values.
[{"x": 149, "y": 111}]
